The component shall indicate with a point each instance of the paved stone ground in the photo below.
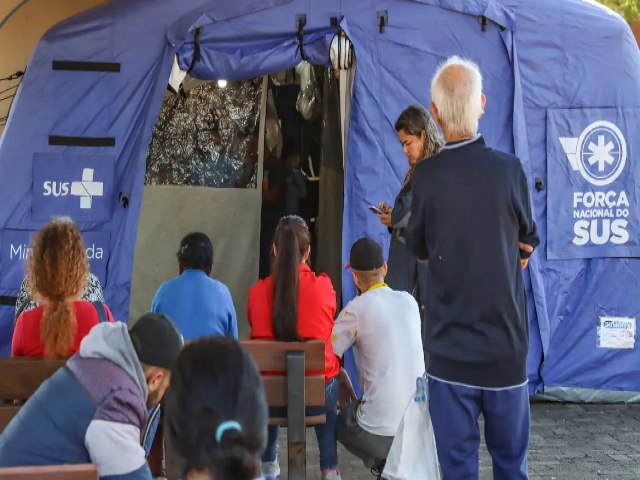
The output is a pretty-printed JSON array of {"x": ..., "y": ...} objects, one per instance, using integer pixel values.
[{"x": 568, "y": 442}]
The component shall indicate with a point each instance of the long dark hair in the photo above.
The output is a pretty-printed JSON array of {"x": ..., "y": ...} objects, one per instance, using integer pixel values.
[
  {"x": 292, "y": 240},
  {"x": 215, "y": 381},
  {"x": 414, "y": 120}
]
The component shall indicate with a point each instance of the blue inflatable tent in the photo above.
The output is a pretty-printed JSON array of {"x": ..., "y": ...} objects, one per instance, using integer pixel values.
[{"x": 562, "y": 79}]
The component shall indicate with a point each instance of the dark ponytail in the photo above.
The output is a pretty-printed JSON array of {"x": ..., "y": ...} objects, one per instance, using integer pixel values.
[
  {"x": 236, "y": 460},
  {"x": 215, "y": 381},
  {"x": 292, "y": 240}
]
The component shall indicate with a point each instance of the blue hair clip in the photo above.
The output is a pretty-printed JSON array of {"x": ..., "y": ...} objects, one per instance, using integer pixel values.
[{"x": 226, "y": 426}]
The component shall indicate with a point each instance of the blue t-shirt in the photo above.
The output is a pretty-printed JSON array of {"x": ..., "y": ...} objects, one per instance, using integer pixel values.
[{"x": 199, "y": 305}]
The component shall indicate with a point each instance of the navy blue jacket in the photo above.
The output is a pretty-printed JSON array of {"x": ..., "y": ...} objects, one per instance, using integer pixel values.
[{"x": 470, "y": 209}]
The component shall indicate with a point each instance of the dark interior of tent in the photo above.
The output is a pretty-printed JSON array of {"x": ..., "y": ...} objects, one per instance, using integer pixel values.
[{"x": 279, "y": 134}]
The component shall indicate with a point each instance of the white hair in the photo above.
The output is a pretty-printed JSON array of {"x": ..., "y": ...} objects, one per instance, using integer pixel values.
[{"x": 459, "y": 103}]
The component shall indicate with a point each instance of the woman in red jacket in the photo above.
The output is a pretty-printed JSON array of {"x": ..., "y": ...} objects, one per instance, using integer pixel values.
[
  {"x": 58, "y": 269},
  {"x": 295, "y": 304}
]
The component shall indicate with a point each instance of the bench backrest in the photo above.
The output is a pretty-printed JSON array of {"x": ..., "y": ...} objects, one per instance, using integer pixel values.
[
  {"x": 271, "y": 359},
  {"x": 52, "y": 472},
  {"x": 19, "y": 379}
]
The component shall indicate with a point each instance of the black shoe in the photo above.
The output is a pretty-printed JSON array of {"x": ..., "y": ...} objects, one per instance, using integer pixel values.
[{"x": 377, "y": 470}]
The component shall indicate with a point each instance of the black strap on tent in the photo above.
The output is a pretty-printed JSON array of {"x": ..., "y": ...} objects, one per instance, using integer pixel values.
[
  {"x": 73, "y": 66},
  {"x": 7, "y": 301},
  {"x": 301, "y": 21},
  {"x": 82, "y": 141},
  {"x": 484, "y": 22},
  {"x": 196, "y": 50},
  {"x": 383, "y": 19},
  {"x": 123, "y": 199}
]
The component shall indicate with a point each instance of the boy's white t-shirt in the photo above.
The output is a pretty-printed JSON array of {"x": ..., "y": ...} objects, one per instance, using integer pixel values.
[{"x": 383, "y": 326}]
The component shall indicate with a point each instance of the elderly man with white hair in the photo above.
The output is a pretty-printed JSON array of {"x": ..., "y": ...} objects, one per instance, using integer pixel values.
[{"x": 470, "y": 211}]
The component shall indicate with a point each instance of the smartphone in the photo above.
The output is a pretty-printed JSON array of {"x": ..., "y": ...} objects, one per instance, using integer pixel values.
[{"x": 376, "y": 210}]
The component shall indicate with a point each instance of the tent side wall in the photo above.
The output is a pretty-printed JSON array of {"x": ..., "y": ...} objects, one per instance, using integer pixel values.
[
  {"x": 114, "y": 107},
  {"x": 394, "y": 70},
  {"x": 592, "y": 73}
]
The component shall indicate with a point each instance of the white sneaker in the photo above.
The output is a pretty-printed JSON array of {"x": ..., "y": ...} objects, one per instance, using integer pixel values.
[
  {"x": 270, "y": 470},
  {"x": 331, "y": 475}
]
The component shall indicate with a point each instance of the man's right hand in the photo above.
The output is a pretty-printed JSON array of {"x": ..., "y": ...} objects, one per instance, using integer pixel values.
[
  {"x": 347, "y": 393},
  {"x": 524, "y": 262}
]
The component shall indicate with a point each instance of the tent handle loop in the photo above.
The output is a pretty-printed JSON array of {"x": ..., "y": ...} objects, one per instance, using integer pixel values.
[
  {"x": 196, "y": 50},
  {"x": 383, "y": 19}
]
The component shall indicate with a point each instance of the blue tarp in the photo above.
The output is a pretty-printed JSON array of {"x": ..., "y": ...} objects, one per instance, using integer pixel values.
[{"x": 536, "y": 57}]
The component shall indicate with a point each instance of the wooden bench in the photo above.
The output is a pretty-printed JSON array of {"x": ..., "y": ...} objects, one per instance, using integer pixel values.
[
  {"x": 19, "y": 379},
  {"x": 53, "y": 472},
  {"x": 284, "y": 367}
]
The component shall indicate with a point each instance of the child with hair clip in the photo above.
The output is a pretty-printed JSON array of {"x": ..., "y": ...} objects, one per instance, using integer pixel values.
[{"x": 216, "y": 413}]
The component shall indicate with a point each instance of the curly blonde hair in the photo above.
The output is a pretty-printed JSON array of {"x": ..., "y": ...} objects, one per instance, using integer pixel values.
[{"x": 58, "y": 269}]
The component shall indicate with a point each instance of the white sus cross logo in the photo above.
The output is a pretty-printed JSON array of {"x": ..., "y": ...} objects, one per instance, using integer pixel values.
[{"x": 87, "y": 189}]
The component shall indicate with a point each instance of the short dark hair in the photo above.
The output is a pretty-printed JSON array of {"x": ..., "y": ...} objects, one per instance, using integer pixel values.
[
  {"x": 196, "y": 252},
  {"x": 215, "y": 381}
]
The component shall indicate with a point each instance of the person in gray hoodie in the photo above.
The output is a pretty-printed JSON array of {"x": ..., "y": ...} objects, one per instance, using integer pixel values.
[{"x": 95, "y": 408}]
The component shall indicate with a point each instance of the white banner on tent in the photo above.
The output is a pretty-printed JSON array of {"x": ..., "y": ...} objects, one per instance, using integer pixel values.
[{"x": 617, "y": 332}]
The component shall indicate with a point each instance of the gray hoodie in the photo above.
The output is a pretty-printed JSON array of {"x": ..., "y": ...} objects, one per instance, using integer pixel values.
[
  {"x": 93, "y": 410},
  {"x": 108, "y": 368},
  {"x": 111, "y": 341}
]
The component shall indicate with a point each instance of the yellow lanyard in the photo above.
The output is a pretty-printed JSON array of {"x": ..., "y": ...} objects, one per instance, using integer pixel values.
[{"x": 376, "y": 286}]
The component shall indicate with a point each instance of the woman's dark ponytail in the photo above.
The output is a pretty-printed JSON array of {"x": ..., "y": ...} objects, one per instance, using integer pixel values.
[{"x": 292, "y": 240}]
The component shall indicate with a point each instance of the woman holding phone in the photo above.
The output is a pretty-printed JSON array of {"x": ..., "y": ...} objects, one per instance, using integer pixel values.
[{"x": 420, "y": 139}]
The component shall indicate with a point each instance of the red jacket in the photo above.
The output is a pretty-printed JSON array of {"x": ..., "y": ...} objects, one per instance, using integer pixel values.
[
  {"x": 26, "y": 335},
  {"x": 316, "y": 311}
]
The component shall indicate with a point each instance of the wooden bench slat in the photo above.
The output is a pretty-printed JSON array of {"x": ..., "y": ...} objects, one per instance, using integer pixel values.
[
  {"x": 51, "y": 472},
  {"x": 309, "y": 421},
  {"x": 7, "y": 412},
  {"x": 275, "y": 389},
  {"x": 22, "y": 376},
  {"x": 270, "y": 356}
]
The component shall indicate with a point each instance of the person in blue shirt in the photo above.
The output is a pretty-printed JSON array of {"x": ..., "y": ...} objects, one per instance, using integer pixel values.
[{"x": 199, "y": 305}]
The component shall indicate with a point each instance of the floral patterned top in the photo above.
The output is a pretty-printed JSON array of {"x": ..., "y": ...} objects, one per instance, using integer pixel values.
[{"x": 92, "y": 293}]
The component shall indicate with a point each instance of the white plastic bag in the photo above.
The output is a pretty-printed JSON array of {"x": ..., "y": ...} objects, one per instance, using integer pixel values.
[
  {"x": 309, "y": 103},
  {"x": 413, "y": 451}
]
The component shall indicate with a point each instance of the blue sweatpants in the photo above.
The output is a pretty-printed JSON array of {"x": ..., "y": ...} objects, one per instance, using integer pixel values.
[{"x": 455, "y": 410}]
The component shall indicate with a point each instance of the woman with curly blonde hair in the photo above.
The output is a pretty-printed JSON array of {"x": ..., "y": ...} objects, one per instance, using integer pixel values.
[{"x": 58, "y": 268}]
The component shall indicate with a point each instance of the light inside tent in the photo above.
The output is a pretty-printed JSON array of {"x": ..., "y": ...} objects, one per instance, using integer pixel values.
[{"x": 222, "y": 83}]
